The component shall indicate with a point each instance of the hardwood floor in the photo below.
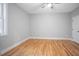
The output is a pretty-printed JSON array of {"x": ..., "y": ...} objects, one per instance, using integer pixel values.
[{"x": 39, "y": 47}]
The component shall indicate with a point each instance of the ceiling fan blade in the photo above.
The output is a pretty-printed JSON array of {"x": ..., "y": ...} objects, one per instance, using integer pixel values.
[
  {"x": 53, "y": 5},
  {"x": 43, "y": 5},
  {"x": 57, "y": 3}
]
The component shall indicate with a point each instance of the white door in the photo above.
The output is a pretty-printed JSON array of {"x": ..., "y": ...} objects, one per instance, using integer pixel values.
[{"x": 75, "y": 28}]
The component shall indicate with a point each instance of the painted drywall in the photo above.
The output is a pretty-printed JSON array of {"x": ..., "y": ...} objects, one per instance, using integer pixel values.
[
  {"x": 75, "y": 24},
  {"x": 18, "y": 27},
  {"x": 51, "y": 25}
]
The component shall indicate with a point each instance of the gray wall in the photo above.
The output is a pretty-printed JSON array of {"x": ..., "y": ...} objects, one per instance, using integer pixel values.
[
  {"x": 51, "y": 25},
  {"x": 18, "y": 27},
  {"x": 75, "y": 24}
]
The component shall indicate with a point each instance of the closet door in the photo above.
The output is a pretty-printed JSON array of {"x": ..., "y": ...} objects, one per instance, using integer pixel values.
[{"x": 75, "y": 28}]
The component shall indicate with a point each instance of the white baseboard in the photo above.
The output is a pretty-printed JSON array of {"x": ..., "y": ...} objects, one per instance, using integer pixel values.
[
  {"x": 9, "y": 48},
  {"x": 52, "y": 38},
  {"x": 77, "y": 41}
]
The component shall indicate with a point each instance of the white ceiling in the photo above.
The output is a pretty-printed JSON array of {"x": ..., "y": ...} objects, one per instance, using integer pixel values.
[{"x": 58, "y": 8}]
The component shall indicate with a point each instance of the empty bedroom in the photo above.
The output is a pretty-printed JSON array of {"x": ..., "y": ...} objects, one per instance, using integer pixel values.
[{"x": 39, "y": 29}]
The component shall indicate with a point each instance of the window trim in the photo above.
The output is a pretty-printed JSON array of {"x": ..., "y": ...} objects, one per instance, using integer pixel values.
[{"x": 4, "y": 8}]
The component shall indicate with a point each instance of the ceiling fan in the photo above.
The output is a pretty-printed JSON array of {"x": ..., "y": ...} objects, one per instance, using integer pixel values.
[{"x": 51, "y": 5}]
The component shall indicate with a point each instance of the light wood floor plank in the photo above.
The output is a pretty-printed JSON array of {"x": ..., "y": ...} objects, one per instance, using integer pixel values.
[{"x": 39, "y": 47}]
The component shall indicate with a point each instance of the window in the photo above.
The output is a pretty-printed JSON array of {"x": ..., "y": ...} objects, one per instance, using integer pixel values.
[{"x": 3, "y": 19}]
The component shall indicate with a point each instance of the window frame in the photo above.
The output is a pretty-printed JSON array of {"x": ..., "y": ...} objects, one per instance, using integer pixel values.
[{"x": 4, "y": 19}]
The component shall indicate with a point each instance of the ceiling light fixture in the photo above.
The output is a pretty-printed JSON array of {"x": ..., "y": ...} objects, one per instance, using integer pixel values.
[{"x": 50, "y": 5}]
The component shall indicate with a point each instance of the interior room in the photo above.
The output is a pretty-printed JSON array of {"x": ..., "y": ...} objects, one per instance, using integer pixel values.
[{"x": 39, "y": 29}]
